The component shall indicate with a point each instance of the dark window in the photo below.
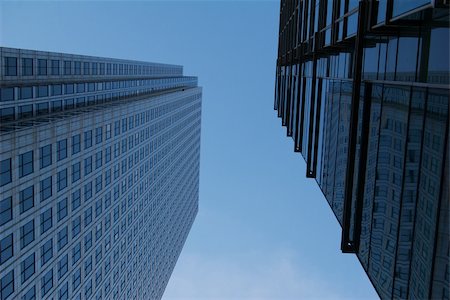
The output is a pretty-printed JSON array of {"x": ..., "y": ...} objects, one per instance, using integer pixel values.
[
  {"x": 5, "y": 210},
  {"x": 88, "y": 191},
  {"x": 7, "y": 284},
  {"x": 62, "y": 209},
  {"x": 88, "y": 165},
  {"x": 62, "y": 238},
  {"x": 6, "y": 94},
  {"x": 27, "y": 66},
  {"x": 5, "y": 172},
  {"x": 80, "y": 88},
  {"x": 56, "y": 105},
  {"x": 98, "y": 135},
  {"x": 87, "y": 139},
  {"x": 77, "y": 68},
  {"x": 28, "y": 267},
  {"x": 42, "y": 67},
  {"x": 55, "y": 67},
  {"x": 94, "y": 68},
  {"x": 26, "y": 234},
  {"x": 98, "y": 159},
  {"x": 26, "y": 92},
  {"x": 63, "y": 266},
  {"x": 46, "y": 188},
  {"x": 76, "y": 226},
  {"x": 7, "y": 114},
  {"x": 63, "y": 292},
  {"x": 10, "y": 66},
  {"x": 76, "y": 279},
  {"x": 42, "y": 91},
  {"x": 46, "y": 252},
  {"x": 46, "y": 156},
  {"x": 6, "y": 248},
  {"x": 69, "y": 103},
  {"x": 76, "y": 172},
  {"x": 91, "y": 87},
  {"x": 56, "y": 89},
  {"x": 26, "y": 199},
  {"x": 62, "y": 179},
  {"x": 67, "y": 67},
  {"x": 47, "y": 282},
  {"x": 86, "y": 70},
  {"x": 68, "y": 88},
  {"x": 31, "y": 294},
  {"x": 25, "y": 111},
  {"x": 61, "y": 151},
  {"x": 46, "y": 220},
  {"x": 76, "y": 144},
  {"x": 76, "y": 199},
  {"x": 88, "y": 241},
  {"x": 26, "y": 163},
  {"x": 42, "y": 108}
]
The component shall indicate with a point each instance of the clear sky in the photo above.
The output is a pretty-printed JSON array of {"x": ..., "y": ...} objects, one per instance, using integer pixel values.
[{"x": 263, "y": 230}]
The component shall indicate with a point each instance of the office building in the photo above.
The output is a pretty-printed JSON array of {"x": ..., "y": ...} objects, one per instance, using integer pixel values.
[
  {"x": 99, "y": 175},
  {"x": 363, "y": 90}
]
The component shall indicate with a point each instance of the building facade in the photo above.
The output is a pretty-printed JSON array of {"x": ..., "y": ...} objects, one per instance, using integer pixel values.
[
  {"x": 363, "y": 90},
  {"x": 99, "y": 178}
]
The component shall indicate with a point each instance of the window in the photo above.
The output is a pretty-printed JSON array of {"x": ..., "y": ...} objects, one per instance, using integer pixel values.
[
  {"x": 76, "y": 199},
  {"x": 107, "y": 154},
  {"x": 6, "y": 248},
  {"x": 67, "y": 67},
  {"x": 98, "y": 135},
  {"x": 28, "y": 267},
  {"x": 116, "y": 128},
  {"x": 88, "y": 216},
  {"x": 46, "y": 188},
  {"x": 80, "y": 87},
  {"x": 94, "y": 68},
  {"x": 62, "y": 179},
  {"x": 86, "y": 70},
  {"x": 56, "y": 89},
  {"x": 25, "y": 92},
  {"x": 46, "y": 156},
  {"x": 88, "y": 191},
  {"x": 55, "y": 67},
  {"x": 46, "y": 220},
  {"x": 46, "y": 252},
  {"x": 56, "y": 105},
  {"x": 76, "y": 253},
  {"x": 69, "y": 88},
  {"x": 98, "y": 183},
  {"x": 62, "y": 209},
  {"x": 26, "y": 199},
  {"x": 26, "y": 163},
  {"x": 25, "y": 111},
  {"x": 7, "y": 94},
  {"x": 26, "y": 234},
  {"x": 62, "y": 266},
  {"x": 76, "y": 226},
  {"x": 5, "y": 210},
  {"x": 87, "y": 165},
  {"x": 62, "y": 238},
  {"x": 5, "y": 172},
  {"x": 87, "y": 139},
  {"x": 108, "y": 131},
  {"x": 88, "y": 265},
  {"x": 88, "y": 241},
  {"x": 42, "y": 108},
  {"x": 63, "y": 292},
  {"x": 27, "y": 66},
  {"x": 31, "y": 294},
  {"x": 77, "y": 68},
  {"x": 42, "y": 67},
  {"x": 7, "y": 114},
  {"x": 42, "y": 91},
  {"x": 7, "y": 284},
  {"x": 10, "y": 66},
  {"x": 76, "y": 172},
  {"x": 47, "y": 282},
  {"x": 98, "y": 159},
  {"x": 76, "y": 144},
  {"x": 61, "y": 150},
  {"x": 76, "y": 279}
]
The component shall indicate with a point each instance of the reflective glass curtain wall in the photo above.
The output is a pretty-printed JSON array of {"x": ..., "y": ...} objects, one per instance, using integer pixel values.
[{"x": 363, "y": 88}]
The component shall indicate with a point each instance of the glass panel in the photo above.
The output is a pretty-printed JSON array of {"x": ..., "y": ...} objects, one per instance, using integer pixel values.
[
  {"x": 407, "y": 58},
  {"x": 438, "y": 62},
  {"x": 402, "y": 6}
]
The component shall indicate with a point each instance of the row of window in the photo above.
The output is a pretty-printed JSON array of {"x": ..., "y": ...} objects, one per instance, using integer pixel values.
[{"x": 55, "y": 67}]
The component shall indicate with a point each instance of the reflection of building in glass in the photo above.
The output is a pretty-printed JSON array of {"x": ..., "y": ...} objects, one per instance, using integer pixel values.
[
  {"x": 363, "y": 89},
  {"x": 99, "y": 175}
]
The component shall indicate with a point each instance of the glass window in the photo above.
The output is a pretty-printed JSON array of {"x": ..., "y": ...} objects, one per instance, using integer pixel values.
[
  {"x": 76, "y": 172},
  {"x": 5, "y": 172},
  {"x": 67, "y": 67},
  {"x": 62, "y": 238},
  {"x": 94, "y": 68},
  {"x": 42, "y": 108},
  {"x": 62, "y": 209},
  {"x": 77, "y": 68},
  {"x": 56, "y": 89},
  {"x": 10, "y": 66},
  {"x": 61, "y": 151},
  {"x": 80, "y": 88},
  {"x": 42, "y": 91},
  {"x": 88, "y": 240},
  {"x": 46, "y": 188},
  {"x": 7, "y": 94},
  {"x": 55, "y": 67},
  {"x": 76, "y": 199},
  {"x": 56, "y": 105},
  {"x": 63, "y": 292},
  {"x": 86, "y": 70},
  {"x": 88, "y": 165},
  {"x": 46, "y": 220},
  {"x": 27, "y": 66},
  {"x": 42, "y": 67},
  {"x": 26, "y": 234},
  {"x": 26, "y": 163},
  {"x": 6, "y": 248},
  {"x": 5, "y": 210},
  {"x": 407, "y": 58},
  {"x": 87, "y": 139},
  {"x": 28, "y": 267},
  {"x": 76, "y": 144},
  {"x": 76, "y": 253},
  {"x": 69, "y": 89},
  {"x": 76, "y": 279},
  {"x": 7, "y": 114},
  {"x": 45, "y": 156},
  {"x": 26, "y": 199},
  {"x": 62, "y": 266},
  {"x": 62, "y": 179},
  {"x": 98, "y": 159},
  {"x": 25, "y": 111},
  {"x": 98, "y": 135},
  {"x": 69, "y": 103},
  {"x": 46, "y": 252},
  {"x": 401, "y": 6},
  {"x": 7, "y": 284},
  {"x": 47, "y": 282},
  {"x": 438, "y": 58},
  {"x": 88, "y": 191},
  {"x": 76, "y": 226},
  {"x": 31, "y": 294},
  {"x": 26, "y": 92}
]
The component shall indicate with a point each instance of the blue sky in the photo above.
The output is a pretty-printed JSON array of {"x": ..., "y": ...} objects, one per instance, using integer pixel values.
[{"x": 263, "y": 230}]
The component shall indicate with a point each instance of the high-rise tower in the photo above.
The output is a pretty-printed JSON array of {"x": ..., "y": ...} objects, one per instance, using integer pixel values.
[
  {"x": 99, "y": 175},
  {"x": 363, "y": 89}
]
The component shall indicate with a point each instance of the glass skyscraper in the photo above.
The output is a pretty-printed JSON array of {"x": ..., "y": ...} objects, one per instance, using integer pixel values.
[
  {"x": 363, "y": 90},
  {"x": 99, "y": 178}
]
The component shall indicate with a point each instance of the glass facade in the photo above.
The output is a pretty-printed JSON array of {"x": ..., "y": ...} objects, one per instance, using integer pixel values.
[
  {"x": 87, "y": 211},
  {"x": 363, "y": 89}
]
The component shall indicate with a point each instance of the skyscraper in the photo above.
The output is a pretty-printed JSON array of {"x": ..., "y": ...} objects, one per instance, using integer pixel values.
[
  {"x": 99, "y": 175},
  {"x": 363, "y": 90}
]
